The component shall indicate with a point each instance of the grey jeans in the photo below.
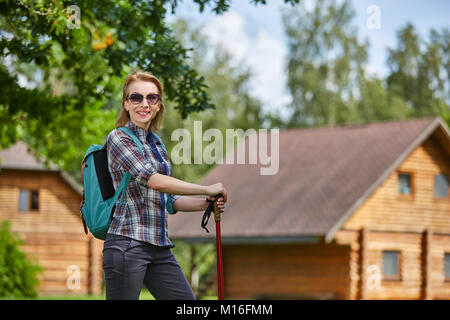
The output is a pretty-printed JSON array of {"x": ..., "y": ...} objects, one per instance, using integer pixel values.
[{"x": 129, "y": 264}]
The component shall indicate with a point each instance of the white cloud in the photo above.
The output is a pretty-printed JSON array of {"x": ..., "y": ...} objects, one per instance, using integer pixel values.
[
  {"x": 375, "y": 70},
  {"x": 261, "y": 52},
  {"x": 268, "y": 63},
  {"x": 228, "y": 31}
]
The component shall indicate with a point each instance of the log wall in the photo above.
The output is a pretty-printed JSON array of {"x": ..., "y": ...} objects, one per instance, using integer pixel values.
[{"x": 54, "y": 234}]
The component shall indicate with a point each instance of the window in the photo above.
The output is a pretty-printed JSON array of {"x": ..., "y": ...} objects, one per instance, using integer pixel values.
[
  {"x": 23, "y": 200},
  {"x": 404, "y": 183},
  {"x": 391, "y": 265},
  {"x": 447, "y": 266},
  {"x": 28, "y": 200},
  {"x": 34, "y": 205},
  {"x": 441, "y": 185}
]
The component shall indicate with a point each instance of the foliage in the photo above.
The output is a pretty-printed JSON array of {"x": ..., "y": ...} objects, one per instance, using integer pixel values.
[
  {"x": 197, "y": 259},
  {"x": 76, "y": 96},
  {"x": 70, "y": 105},
  {"x": 420, "y": 71},
  {"x": 18, "y": 274},
  {"x": 60, "y": 84},
  {"x": 229, "y": 89},
  {"x": 447, "y": 119},
  {"x": 325, "y": 63},
  {"x": 327, "y": 77}
]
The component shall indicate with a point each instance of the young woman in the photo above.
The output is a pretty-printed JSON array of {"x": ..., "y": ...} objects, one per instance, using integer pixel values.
[{"x": 137, "y": 251}]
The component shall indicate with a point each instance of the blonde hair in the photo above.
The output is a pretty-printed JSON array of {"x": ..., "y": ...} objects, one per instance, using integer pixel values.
[{"x": 124, "y": 115}]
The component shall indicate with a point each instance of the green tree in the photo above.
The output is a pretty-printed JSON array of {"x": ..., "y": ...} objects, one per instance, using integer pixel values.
[
  {"x": 377, "y": 104},
  {"x": 325, "y": 63},
  {"x": 18, "y": 274},
  {"x": 70, "y": 100},
  {"x": 228, "y": 86},
  {"x": 420, "y": 71},
  {"x": 326, "y": 71}
]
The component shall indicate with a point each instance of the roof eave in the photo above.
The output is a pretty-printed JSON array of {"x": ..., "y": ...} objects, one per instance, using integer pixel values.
[
  {"x": 64, "y": 175},
  {"x": 306, "y": 239},
  {"x": 437, "y": 122},
  {"x": 71, "y": 182}
]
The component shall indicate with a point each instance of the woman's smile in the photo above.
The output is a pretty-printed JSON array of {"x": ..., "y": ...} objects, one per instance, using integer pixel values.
[{"x": 143, "y": 113}]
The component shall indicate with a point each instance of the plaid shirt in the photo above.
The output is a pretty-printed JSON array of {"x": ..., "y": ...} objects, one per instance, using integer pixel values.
[{"x": 143, "y": 213}]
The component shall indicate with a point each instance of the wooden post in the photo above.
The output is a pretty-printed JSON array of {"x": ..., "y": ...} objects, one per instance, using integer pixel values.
[
  {"x": 363, "y": 244},
  {"x": 426, "y": 293}
]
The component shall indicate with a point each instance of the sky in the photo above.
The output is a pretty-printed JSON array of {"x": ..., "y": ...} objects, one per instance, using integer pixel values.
[{"x": 254, "y": 35}]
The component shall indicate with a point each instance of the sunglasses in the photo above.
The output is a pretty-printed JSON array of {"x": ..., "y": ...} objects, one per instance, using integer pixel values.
[{"x": 136, "y": 98}]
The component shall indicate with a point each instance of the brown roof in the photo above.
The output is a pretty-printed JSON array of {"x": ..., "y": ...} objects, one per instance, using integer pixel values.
[
  {"x": 18, "y": 157},
  {"x": 324, "y": 175}
]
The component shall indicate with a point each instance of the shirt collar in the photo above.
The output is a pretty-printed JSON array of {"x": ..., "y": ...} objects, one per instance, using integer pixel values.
[{"x": 142, "y": 134}]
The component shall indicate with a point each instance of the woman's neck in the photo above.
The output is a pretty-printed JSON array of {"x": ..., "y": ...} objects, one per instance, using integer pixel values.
[{"x": 142, "y": 125}]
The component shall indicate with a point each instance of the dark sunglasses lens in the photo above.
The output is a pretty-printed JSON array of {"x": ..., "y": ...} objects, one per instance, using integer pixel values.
[
  {"x": 152, "y": 98},
  {"x": 136, "y": 98}
]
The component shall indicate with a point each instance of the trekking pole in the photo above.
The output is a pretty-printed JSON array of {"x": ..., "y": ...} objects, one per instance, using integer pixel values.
[{"x": 217, "y": 217}]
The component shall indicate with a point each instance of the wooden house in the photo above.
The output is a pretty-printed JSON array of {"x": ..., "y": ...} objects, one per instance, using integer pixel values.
[
  {"x": 354, "y": 212},
  {"x": 43, "y": 206}
]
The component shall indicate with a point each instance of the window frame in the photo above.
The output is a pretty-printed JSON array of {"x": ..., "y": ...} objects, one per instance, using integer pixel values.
[
  {"x": 396, "y": 277},
  {"x": 446, "y": 278},
  {"x": 413, "y": 189},
  {"x": 29, "y": 208},
  {"x": 440, "y": 198}
]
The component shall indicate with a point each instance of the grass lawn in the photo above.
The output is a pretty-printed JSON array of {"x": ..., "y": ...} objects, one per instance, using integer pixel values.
[{"x": 145, "y": 295}]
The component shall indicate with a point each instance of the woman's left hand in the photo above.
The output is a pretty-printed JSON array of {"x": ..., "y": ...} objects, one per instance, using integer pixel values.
[{"x": 220, "y": 203}]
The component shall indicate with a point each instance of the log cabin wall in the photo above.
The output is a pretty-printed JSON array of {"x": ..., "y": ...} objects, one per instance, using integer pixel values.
[
  {"x": 289, "y": 271},
  {"x": 417, "y": 225},
  {"x": 54, "y": 234},
  {"x": 439, "y": 286}
]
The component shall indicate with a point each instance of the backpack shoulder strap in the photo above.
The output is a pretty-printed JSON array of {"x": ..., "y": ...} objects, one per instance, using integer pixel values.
[
  {"x": 127, "y": 176},
  {"x": 133, "y": 136},
  {"x": 121, "y": 188}
]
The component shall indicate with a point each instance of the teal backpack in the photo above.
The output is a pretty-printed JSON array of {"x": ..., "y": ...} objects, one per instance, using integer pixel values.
[{"x": 99, "y": 197}]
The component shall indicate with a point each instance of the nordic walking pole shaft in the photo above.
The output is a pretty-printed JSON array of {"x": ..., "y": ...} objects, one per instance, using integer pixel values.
[{"x": 217, "y": 218}]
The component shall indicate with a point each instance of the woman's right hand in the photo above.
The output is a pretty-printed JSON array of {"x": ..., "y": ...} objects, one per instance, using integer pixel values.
[{"x": 217, "y": 188}]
